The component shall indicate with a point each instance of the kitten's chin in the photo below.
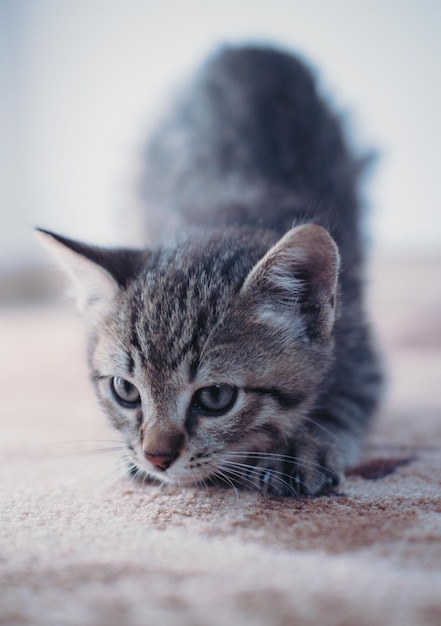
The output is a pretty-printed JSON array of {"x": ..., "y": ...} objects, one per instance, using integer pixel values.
[
  {"x": 171, "y": 477},
  {"x": 182, "y": 481}
]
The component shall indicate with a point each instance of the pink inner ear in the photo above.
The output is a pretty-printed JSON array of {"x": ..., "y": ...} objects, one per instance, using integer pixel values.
[
  {"x": 94, "y": 286},
  {"x": 304, "y": 254},
  {"x": 298, "y": 274},
  {"x": 321, "y": 256}
]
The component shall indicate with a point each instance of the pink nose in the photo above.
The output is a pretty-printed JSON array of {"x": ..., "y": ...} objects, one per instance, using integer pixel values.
[{"x": 160, "y": 461}]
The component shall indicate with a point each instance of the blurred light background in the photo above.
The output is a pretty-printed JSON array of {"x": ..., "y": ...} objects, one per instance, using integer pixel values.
[{"x": 82, "y": 79}]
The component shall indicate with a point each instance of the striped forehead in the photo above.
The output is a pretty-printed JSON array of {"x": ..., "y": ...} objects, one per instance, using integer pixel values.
[{"x": 173, "y": 329}]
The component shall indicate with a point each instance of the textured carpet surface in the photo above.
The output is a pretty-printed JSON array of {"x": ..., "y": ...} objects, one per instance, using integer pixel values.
[{"x": 80, "y": 544}]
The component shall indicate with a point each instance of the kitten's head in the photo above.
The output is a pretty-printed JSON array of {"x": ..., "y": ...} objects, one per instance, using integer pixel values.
[{"x": 208, "y": 349}]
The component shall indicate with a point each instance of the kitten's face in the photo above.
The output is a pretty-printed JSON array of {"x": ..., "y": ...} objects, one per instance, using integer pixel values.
[{"x": 210, "y": 352}]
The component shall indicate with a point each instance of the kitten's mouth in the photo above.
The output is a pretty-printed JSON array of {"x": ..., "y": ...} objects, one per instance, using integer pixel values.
[
  {"x": 172, "y": 475},
  {"x": 229, "y": 467}
]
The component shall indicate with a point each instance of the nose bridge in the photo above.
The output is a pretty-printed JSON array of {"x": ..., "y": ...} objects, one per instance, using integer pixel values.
[
  {"x": 163, "y": 430},
  {"x": 162, "y": 439},
  {"x": 162, "y": 434}
]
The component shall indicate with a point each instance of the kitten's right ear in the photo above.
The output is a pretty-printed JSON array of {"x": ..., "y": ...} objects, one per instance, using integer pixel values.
[
  {"x": 97, "y": 273},
  {"x": 295, "y": 284}
]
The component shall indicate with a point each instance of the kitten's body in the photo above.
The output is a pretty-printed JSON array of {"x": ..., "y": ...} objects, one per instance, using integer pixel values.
[{"x": 247, "y": 345}]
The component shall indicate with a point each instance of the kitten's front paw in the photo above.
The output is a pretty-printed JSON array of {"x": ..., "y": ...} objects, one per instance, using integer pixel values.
[{"x": 308, "y": 467}]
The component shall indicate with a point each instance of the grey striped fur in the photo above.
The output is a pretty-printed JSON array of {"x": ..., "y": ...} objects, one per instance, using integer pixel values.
[{"x": 253, "y": 282}]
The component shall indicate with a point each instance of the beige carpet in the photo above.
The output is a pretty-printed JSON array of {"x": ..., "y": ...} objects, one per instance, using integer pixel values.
[{"x": 79, "y": 544}]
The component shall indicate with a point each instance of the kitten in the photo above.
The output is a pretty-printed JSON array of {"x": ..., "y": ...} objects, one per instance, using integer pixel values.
[{"x": 238, "y": 351}]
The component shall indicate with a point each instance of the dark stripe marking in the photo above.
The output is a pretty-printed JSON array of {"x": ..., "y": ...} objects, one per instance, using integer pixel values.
[{"x": 284, "y": 400}]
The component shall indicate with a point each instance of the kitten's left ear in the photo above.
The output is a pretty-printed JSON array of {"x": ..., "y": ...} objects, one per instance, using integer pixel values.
[
  {"x": 294, "y": 286},
  {"x": 97, "y": 273}
]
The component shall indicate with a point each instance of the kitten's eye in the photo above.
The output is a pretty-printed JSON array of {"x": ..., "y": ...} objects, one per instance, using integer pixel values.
[
  {"x": 126, "y": 394},
  {"x": 216, "y": 399}
]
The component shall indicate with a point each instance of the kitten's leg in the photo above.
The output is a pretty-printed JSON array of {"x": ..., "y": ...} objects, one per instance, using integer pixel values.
[
  {"x": 313, "y": 461},
  {"x": 306, "y": 465}
]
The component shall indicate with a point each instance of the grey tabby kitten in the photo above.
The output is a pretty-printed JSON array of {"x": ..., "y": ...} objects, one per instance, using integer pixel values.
[{"x": 239, "y": 352}]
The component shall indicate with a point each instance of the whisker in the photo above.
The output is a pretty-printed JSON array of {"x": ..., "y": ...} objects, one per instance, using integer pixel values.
[
  {"x": 276, "y": 457},
  {"x": 253, "y": 471},
  {"x": 220, "y": 474},
  {"x": 257, "y": 472},
  {"x": 136, "y": 473},
  {"x": 129, "y": 470},
  {"x": 241, "y": 479},
  {"x": 54, "y": 444},
  {"x": 79, "y": 453},
  {"x": 323, "y": 428},
  {"x": 203, "y": 482}
]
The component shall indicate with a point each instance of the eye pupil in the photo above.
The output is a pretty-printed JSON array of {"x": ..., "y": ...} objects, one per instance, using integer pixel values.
[
  {"x": 214, "y": 400},
  {"x": 125, "y": 392}
]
